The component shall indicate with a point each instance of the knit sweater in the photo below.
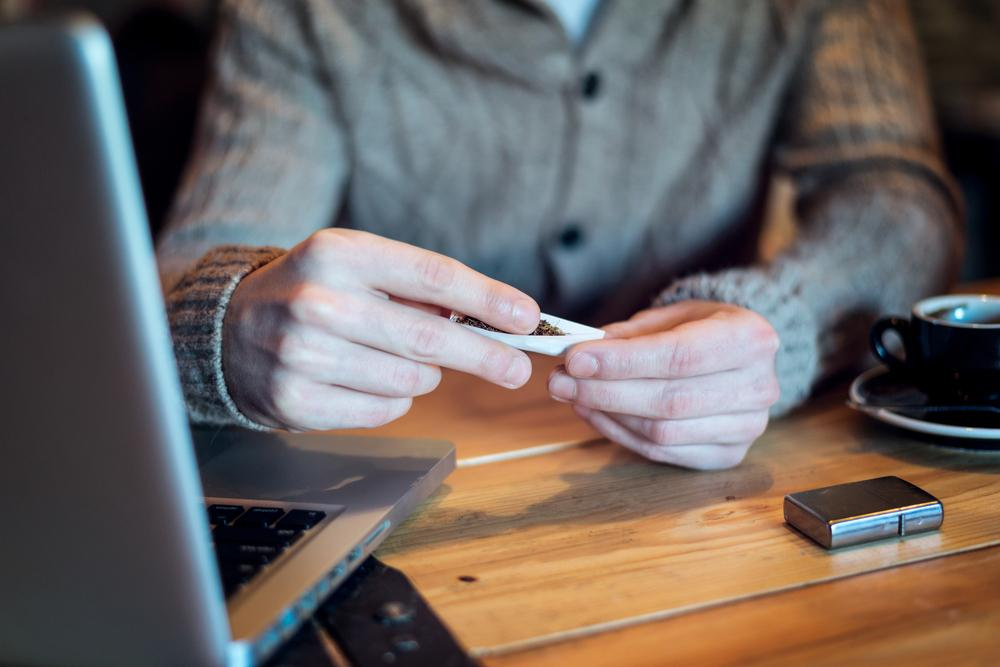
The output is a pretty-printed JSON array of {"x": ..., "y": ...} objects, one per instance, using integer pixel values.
[{"x": 596, "y": 176}]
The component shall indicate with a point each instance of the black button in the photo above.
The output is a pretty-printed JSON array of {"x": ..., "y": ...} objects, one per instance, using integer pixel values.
[
  {"x": 301, "y": 519},
  {"x": 394, "y": 613},
  {"x": 571, "y": 236},
  {"x": 405, "y": 643},
  {"x": 591, "y": 85},
  {"x": 260, "y": 516},
  {"x": 255, "y": 535},
  {"x": 223, "y": 515}
]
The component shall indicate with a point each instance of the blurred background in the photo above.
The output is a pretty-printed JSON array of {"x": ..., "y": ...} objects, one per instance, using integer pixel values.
[{"x": 162, "y": 48}]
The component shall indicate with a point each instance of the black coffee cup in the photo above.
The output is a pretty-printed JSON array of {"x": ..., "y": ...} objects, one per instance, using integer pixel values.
[{"x": 951, "y": 345}]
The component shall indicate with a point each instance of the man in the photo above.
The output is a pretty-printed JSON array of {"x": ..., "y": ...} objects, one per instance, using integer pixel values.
[{"x": 472, "y": 153}]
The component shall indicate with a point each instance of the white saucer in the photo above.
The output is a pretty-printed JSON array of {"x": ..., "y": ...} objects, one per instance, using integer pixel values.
[
  {"x": 862, "y": 400},
  {"x": 554, "y": 346}
]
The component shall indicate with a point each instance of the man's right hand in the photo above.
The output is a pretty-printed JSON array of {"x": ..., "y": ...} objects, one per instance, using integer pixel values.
[{"x": 347, "y": 327}]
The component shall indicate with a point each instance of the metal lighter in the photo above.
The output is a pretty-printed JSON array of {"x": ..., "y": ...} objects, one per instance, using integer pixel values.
[{"x": 858, "y": 512}]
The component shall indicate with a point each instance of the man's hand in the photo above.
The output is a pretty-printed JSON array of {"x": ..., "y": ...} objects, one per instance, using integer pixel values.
[
  {"x": 347, "y": 327},
  {"x": 688, "y": 384}
]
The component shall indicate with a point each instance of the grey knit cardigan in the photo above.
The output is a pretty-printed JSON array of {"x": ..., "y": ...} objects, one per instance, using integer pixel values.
[{"x": 596, "y": 177}]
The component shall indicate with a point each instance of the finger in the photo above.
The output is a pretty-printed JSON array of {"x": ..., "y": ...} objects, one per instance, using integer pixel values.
[
  {"x": 428, "y": 308},
  {"x": 711, "y": 456},
  {"x": 415, "y": 335},
  {"x": 303, "y": 405},
  {"x": 331, "y": 360},
  {"x": 728, "y": 429},
  {"x": 413, "y": 273},
  {"x": 690, "y": 349},
  {"x": 746, "y": 389}
]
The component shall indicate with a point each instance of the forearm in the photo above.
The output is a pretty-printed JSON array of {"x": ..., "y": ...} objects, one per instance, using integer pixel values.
[
  {"x": 268, "y": 169},
  {"x": 870, "y": 244},
  {"x": 196, "y": 307},
  {"x": 878, "y": 222}
]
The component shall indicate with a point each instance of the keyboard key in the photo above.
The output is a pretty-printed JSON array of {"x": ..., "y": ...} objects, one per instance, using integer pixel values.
[
  {"x": 247, "y": 541},
  {"x": 227, "y": 557},
  {"x": 223, "y": 515},
  {"x": 241, "y": 571},
  {"x": 260, "y": 516},
  {"x": 255, "y": 535},
  {"x": 248, "y": 552},
  {"x": 301, "y": 519}
]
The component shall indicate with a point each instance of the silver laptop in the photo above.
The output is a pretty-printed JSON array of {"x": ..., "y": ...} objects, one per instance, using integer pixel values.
[{"x": 109, "y": 506}]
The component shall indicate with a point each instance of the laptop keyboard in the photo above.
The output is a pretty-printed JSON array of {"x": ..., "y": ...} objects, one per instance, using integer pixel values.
[{"x": 247, "y": 540}]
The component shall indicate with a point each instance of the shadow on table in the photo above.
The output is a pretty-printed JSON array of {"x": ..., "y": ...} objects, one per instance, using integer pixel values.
[
  {"x": 932, "y": 451},
  {"x": 626, "y": 488}
]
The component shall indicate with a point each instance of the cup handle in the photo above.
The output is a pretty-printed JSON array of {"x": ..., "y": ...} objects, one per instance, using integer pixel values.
[{"x": 898, "y": 324}]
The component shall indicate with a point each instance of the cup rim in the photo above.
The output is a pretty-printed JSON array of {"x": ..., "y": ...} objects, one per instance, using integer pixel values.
[{"x": 920, "y": 309}]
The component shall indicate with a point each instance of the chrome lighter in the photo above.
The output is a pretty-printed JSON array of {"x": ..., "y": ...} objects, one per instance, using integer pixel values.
[{"x": 873, "y": 509}]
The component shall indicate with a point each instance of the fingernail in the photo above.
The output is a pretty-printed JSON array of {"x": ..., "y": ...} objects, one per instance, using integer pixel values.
[
  {"x": 525, "y": 315},
  {"x": 562, "y": 386},
  {"x": 582, "y": 365},
  {"x": 614, "y": 331},
  {"x": 518, "y": 372}
]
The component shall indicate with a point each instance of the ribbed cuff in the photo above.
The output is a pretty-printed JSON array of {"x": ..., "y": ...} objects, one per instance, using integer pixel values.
[
  {"x": 797, "y": 362},
  {"x": 196, "y": 308}
]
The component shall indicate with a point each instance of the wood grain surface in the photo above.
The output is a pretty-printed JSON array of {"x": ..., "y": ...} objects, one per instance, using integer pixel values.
[
  {"x": 483, "y": 419},
  {"x": 586, "y": 554},
  {"x": 517, "y": 554},
  {"x": 939, "y": 612}
]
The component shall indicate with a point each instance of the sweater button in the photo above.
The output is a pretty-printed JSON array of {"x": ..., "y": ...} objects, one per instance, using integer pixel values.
[
  {"x": 590, "y": 85},
  {"x": 571, "y": 236}
]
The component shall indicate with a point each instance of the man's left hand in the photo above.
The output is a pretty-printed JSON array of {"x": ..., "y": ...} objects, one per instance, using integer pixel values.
[{"x": 688, "y": 384}]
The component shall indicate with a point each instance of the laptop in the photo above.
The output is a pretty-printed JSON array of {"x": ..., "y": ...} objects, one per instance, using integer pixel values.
[{"x": 130, "y": 538}]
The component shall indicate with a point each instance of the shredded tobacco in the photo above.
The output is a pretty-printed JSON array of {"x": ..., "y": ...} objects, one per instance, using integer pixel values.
[{"x": 543, "y": 328}]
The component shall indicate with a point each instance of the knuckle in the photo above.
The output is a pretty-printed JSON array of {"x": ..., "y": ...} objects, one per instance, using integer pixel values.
[
  {"x": 331, "y": 243},
  {"x": 717, "y": 458},
  {"x": 430, "y": 379},
  {"x": 436, "y": 273},
  {"x": 619, "y": 365},
  {"x": 664, "y": 455},
  {"x": 496, "y": 303},
  {"x": 595, "y": 394},
  {"x": 327, "y": 249},
  {"x": 494, "y": 363},
  {"x": 406, "y": 378},
  {"x": 674, "y": 404},
  {"x": 755, "y": 426},
  {"x": 773, "y": 393},
  {"x": 768, "y": 390},
  {"x": 285, "y": 399},
  {"x": 400, "y": 407},
  {"x": 732, "y": 456},
  {"x": 662, "y": 431},
  {"x": 287, "y": 348},
  {"x": 303, "y": 304},
  {"x": 317, "y": 247},
  {"x": 425, "y": 338},
  {"x": 382, "y": 412},
  {"x": 764, "y": 337},
  {"x": 373, "y": 416},
  {"x": 680, "y": 360}
]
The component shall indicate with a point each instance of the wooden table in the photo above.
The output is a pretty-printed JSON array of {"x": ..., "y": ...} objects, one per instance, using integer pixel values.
[{"x": 552, "y": 546}]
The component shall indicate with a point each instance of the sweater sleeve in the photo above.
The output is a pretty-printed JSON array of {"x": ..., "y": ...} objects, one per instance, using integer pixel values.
[
  {"x": 268, "y": 168},
  {"x": 878, "y": 216}
]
